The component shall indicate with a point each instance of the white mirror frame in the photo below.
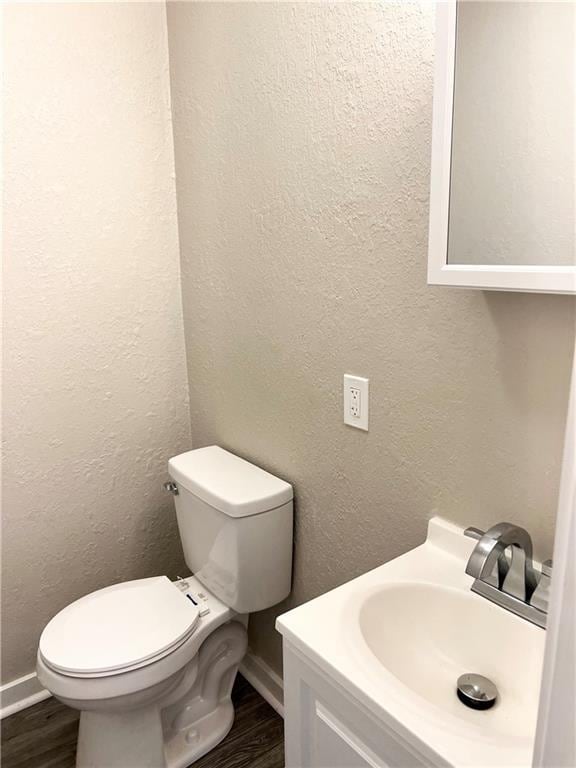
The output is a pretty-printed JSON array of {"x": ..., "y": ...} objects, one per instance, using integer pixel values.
[{"x": 540, "y": 279}]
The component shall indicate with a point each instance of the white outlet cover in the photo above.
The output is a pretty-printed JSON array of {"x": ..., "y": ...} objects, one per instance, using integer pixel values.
[{"x": 361, "y": 384}]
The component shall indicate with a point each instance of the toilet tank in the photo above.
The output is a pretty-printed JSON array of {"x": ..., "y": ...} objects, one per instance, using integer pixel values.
[{"x": 235, "y": 523}]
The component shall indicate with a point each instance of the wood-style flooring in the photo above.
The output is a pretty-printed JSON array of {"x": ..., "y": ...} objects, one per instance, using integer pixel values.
[{"x": 44, "y": 736}]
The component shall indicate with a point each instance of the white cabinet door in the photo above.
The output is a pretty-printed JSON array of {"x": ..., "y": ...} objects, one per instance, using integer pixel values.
[
  {"x": 326, "y": 728},
  {"x": 335, "y": 746}
]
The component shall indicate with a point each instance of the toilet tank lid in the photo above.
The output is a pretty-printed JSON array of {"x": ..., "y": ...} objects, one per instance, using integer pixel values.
[{"x": 228, "y": 483}]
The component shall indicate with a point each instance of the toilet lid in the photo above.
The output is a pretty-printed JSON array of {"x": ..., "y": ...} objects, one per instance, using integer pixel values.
[{"x": 119, "y": 627}]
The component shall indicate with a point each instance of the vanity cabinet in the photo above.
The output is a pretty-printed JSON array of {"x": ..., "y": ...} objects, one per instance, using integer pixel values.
[
  {"x": 326, "y": 728},
  {"x": 370, "y": 668}
]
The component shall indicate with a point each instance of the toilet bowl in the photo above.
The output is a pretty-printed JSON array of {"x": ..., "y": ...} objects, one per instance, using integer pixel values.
[{"x": 150, "y": 663}]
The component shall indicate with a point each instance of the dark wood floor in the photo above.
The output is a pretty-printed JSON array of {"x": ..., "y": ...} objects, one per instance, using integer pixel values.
[{"x": 44, "y": 736}]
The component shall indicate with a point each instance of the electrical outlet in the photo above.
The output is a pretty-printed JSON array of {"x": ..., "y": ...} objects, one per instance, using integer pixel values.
[{"x": 356, "y": 401}]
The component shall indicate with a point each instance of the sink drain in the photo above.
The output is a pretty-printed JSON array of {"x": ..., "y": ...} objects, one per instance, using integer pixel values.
[{"x": 476, "y": 691}]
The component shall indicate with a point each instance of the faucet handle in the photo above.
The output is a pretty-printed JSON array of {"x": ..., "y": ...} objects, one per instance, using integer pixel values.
[
  {"x": 541, "y": 594},
  {"x": 474, "y": 533},
  {"x": 496, "y": 578}
]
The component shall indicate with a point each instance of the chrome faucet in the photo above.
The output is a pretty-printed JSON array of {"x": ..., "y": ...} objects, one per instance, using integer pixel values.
[{"x": 510, "y": 582}]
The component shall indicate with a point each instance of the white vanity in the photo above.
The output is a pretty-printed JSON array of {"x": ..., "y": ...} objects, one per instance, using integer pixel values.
[{"x": 370, "y": 669}]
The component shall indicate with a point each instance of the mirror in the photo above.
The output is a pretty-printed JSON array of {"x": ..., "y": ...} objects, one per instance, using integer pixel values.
[{"x": 503, "y": 191}]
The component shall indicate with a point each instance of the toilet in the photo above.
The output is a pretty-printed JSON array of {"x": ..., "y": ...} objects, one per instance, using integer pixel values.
[{"x": 150, "y": 663}]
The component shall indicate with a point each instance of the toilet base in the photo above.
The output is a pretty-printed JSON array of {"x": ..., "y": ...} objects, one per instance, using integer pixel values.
[
  {"x": 135, "y": 739},
  {"x": 120, "y": 740},
  {"x": 187, "y": 746},
  {"x": 186, "y": 723},
  {"x": 200, "y": 716}
]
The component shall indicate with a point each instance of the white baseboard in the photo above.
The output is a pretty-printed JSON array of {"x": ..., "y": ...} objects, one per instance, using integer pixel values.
[
  {"x": 263, "y": 678},
  {"x": 21, "y": 693}
]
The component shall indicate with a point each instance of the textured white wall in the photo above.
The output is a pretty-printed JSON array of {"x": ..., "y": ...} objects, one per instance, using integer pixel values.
[
  {"x": 95, "y": 394},
  {"x": 302, "y": 138}
]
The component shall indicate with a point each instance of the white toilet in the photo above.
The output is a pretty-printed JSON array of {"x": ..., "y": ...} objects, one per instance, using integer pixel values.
[{"x": 150, "y": 663}]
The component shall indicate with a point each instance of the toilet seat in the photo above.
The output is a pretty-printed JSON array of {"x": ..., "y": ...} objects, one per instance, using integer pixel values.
[{"x": 119, "y": 628}]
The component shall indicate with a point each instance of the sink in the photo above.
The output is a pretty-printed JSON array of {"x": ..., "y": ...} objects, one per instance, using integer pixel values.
[
  {"x": 397, "y": 639},
  {"x": 427, "y": 636}
]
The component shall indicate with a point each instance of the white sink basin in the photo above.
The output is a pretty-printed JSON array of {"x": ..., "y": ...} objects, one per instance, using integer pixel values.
[
  {"x": 427, "y": 636},
  {"x": 398, "y": 637}
]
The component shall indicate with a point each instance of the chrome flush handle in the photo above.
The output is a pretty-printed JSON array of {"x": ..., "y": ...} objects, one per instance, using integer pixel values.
[{"x": 171, "y": 487}]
